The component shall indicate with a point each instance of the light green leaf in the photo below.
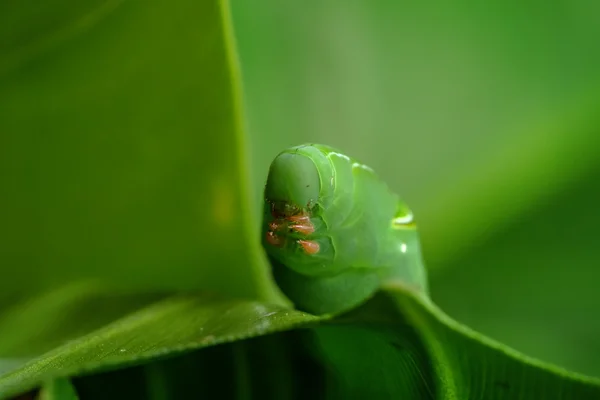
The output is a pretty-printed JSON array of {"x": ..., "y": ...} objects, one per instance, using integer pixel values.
[
  {"x": 38, "y": 324},
  {"x": 172, "y": 326},
  {"x": 122, "y": 165},
  {"x": 121, "y": 153}
]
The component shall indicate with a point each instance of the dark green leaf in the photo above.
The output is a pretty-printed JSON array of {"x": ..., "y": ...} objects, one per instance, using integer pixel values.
[{"x": 400, "y": 345}]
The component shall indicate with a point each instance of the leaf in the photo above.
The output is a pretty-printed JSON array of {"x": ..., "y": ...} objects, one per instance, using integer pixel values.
[
  {"x": 476, "y": 366},
  {"x": 400, "y": 345},
  {"x": 38, "y": 324},
  {"x": 533, "y": 285},
  {"x": 121, "y": 154},
  {"x": 122, "y": 162},
  {"x": 276, "y": 366},
  {"x": 169, "y": 327},
  {"x": 397, "y": 345}
]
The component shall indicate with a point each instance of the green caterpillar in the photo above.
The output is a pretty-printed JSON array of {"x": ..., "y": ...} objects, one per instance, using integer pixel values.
[{"x": 334, "y": 231}]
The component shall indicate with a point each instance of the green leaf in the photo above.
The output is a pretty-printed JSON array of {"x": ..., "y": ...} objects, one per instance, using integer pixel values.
[
  {"x": 122, "y": 161},
  {"x": 38, "y": 324},
  {"x": 168, "y": 327},
  {"x": 121, "y": 155},
  {"x": 533, "y": 285},
  {"x": 398, "y": 344}
]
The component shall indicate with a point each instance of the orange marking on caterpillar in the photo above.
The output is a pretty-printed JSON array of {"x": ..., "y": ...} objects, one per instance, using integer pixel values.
[
  {"x": 309, "y": 246},
  {"x": 276, "y": 225},
  {"x": 301, "y": 219},
  {"x": 306, "y": 229},
  {"x": 273, "y": 239}
]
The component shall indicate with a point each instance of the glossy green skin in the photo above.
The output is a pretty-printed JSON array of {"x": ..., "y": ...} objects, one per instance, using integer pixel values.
[{"x": 365, "y": 232}]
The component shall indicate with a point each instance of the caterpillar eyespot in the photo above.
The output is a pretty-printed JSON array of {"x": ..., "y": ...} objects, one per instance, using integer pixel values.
[{"x": 334, "y": 231}]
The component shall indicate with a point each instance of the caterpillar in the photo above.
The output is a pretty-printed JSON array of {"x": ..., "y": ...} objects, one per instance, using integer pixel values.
[{"x": 334, "y": 231}]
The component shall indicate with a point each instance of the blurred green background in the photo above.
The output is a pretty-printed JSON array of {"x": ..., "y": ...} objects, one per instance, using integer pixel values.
[
  {"x": 484, "y": 117},
  {"x": 118, "y": 166}
]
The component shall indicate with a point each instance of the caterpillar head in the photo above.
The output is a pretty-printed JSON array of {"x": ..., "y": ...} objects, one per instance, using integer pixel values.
[
  {"x": 293, "y": 231},
  {"x": 293, "y": 184}
]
